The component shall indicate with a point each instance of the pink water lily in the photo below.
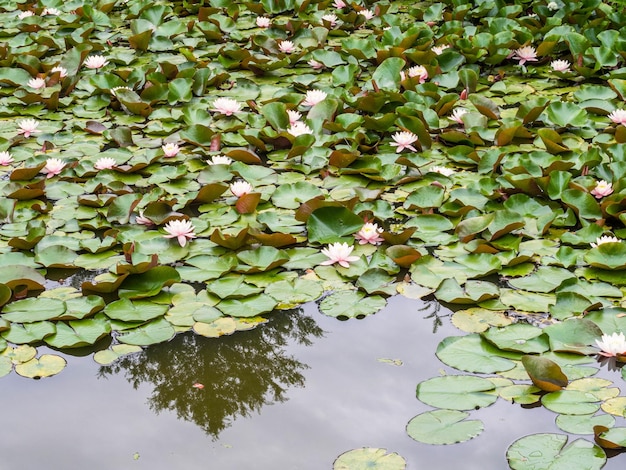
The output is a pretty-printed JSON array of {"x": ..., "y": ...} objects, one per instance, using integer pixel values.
[
  {"x": 602, "y": 189},
  {"x": 142, "y": 220},
  {"x": 180, "y": 229},
  {"x": 331, "y": 18},
  {"x": 314, "y": 97},
  {"x": 37, "y": 83},
  {"x": 315, "y": 65},
  {"x": 286, "y": 47},
  {"x": 28, "y": 127},
  {"x": 525, "y": 54},
  {"x": 618, "y": 116},
  {"x": 560, "y": 65},
  {"x": 369, "y": 233},
  {"x": 105, "y": 163},
  {"x": 339, "y": 253},
  {"x": 5, "y": 158},
  {"x": 170, "y": 149},
  {"x": 299, "y": 128},
  {"x": 263, "y": 22},
  {"x": 339, "y": 4},
  {"x": 239, "y": 188},
  {"x": 457, "y": 115},
  {"x": 96, "y": 62},
  {"x": 53, "y": 167},
  {"x": 294, "y": 116},
  {"x": 418, "y": 71},
  {"x": 367, "y": 14},
  {"x": 612, "y": 345},
  {"x": 62, "y": 71},
  {"x": 404, "y": 140},
  {"x": 226, "y": 106}
]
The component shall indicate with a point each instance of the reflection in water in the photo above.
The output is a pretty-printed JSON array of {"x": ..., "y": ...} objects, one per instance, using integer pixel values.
[{"x": 240, "y": 373}]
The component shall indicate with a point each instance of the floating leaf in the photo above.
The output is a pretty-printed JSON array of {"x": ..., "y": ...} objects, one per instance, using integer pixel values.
[
  {"x": 369, "y": 457},
  {"x": 154, "y": 332},
  {"x": 544, "y": 373},
  {"x": 45, "y": 366},
  {"x": 549, "y": 451},
  {"x": 457, "y": 392},
  {"x": 351, "y": 304},
  {"x": 443, "y": 427}
]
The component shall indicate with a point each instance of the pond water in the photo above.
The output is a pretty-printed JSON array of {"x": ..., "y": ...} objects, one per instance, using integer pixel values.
[{"x": 292, "y": 394}]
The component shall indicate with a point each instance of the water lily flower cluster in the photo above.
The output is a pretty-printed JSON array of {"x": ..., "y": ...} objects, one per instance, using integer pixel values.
[
  {"x": 404, "y": 140},
  {"x": 525, "y": 54},
  {"x": 560, "y": 65},
  {"x": 604, "y": 239},
  {"x": 618, "y": 116},
  {"x": 241, "y": 187},
  {"x": 96, "y": 62},
  {"x": 602, "y": 189},
  {"x": 314, "y": 97},
  {"x": 180, "y": 229},
  {"x": 170, "y": 149},
  {"x": 369, "y": 233},
  {"x": 338, "y": 253},
  {"x": 5, "y": 158},
  {"x": 226, "y": 106},
  {"x": 53, "y": 167},
  {"x": 612, "y": 345},
  {"x": 28, "y": 127}
]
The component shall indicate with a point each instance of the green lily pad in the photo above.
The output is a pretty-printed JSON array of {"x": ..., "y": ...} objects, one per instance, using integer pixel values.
[
  {"x": 583, "y": 424},
  {"x": 79, "y": 333},
  {"x": 19, "y": 354},
  {"x": 571, "y": 402},
  {"x": 518, "y": 337},
  {"x": 109, "y": 356},
  {"x": 549, "y": 451},
  {"x": 472, "y": 353},
  {"x": 33, "y": 310},
  {"x": 351, "y": 304},
  {"x": 154, "y": 332},
  {"x": 443, "y": 427},
  {"x": 477, "y": 320},
  {"x": 138, "y": 311},
  {"x": 45, "y": 366},
  {"x": 217, "y": 328},
  {"x": 247, "y": 307},
  {"x": 457, "y": 392},
  {"x": 371, "y": 458}
]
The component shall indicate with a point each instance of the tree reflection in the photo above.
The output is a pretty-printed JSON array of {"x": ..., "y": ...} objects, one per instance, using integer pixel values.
[{"x": 240, "y": 373}]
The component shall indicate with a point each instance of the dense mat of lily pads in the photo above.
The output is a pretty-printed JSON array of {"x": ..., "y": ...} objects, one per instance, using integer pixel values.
[{"x": 180, "y": 165}]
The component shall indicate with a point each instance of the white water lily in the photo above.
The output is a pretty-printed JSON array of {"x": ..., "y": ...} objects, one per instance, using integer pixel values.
[
  {"x": 96, "y": 62},
  {"x": 53, "y": 167},
  {"x": 62, "y": 71},
  {"x": 226, "y": 106},
  {"x": 180, "y": 229},
  {"x": 5, "y": 158},
  {"x": 560, "y": 65},
  {"x": 28, "y": 127},
  {"x": 105, "y": 163},
  {"x": 604, "y": 239},
  {"x": 263, "y": 22},
  {"x": 618, "y": 116},
  {"x": 287, "y": 47},
  {"x": 338, "y": 253},
  {"x": 313, "y": 97},
  {"x": 37, "y": 83},
  {"x": 299, "y": 128},
  {"x": 220, "y": 160},
  {"x": 239, "y": 188},
  {"x": 457, "y": 115},
  {"x": 612, "y": 345},
  {"x": 170, "y": 149},
  {"x": 442, "y": 170}
]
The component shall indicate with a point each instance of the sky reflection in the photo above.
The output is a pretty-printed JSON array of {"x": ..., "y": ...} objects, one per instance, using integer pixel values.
[{"x": 321, "y": 391}]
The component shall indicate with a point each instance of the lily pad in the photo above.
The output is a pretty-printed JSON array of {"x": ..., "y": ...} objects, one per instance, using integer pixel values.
[
  {"x": 457, "y": 392},
  {"x": 45, "y": 366},
  {"x": 371, "y": 458},
  {"x": 443, "y": 427},
  {"x": 550, "y": 452},
  {"x": 351, "y": 304}
]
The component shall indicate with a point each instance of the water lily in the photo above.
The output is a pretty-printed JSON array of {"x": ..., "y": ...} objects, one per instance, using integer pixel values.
[
  {"x": 286, "y": 47},
  {"x": 339, "y": 4},
  {"x": 105, "y": 163},
  {"x": 338, "y": 253},
  {"x": 602, "y": 189},
  {"x": 612, "y": 345},
  {"x": 315, "y": 65},
  {"x": 418, "y": 71},
  {"x": 439, "y": 49},
  {"x": 25, "y": 14},
  {"x": 525, "y": 54},
  {"x": 553, "y": 6},
  {"x": 299, "y": 128},
  {"x": 96, "y": 62},
  {"x": 226, "y": 106},
  {"x": 220, "y": 160},
  {"x": 263, "y": 22},
  {"x": 313, "y": 97},
  {"x": 50, "y": 11},
  {"x": 37, "y": 83},
  {"x": 5, "y": 158},
  {"x": 618, "y": 116},
  {"x": 604, "y": 239},
  {"x": 239, "y": 188},
  {"x": 180, "y": 229},
  {"x": 62, "y": 71},
  {"x": 115, "y": 89},
  {"x": 367, "y": 14},
  {"x": 560, "y": 65},
  {"x": 457, "y": 115},
  {"x": 404, "y": 140},
  {"x": 442, "y": 170},
  {"x": 369, "y": 233},
  {"x": 53, "y": 167},
  {"x": 170, "y": 149},
  {"x": 294, "y": 116},
  {"x": 28, "y": 127},
  {"x": 331, "y": 18},
  {"x": 142, "y": 220}
]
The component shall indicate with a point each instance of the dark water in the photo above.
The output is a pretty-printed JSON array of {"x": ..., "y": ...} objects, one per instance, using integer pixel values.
[{"x": 293, "y": 394}]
